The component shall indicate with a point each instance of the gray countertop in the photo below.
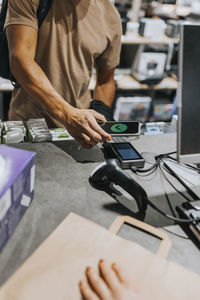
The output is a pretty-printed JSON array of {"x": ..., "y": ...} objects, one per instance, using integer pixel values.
[{"x": 62, "y": 186}]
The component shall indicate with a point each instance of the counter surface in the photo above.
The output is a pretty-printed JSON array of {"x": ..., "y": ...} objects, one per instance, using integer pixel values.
[{"x": 62, "y": 186}]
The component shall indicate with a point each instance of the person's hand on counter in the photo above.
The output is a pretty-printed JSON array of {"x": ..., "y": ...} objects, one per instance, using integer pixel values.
[
  {"x": 83, "y": 125},
  {"x": 112, "y": 283}
]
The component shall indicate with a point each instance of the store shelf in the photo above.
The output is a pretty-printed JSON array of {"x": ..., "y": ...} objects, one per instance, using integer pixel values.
[
  {"x": 132, "y": 38},
  {"x": 123, "y": 82},
  {"x": 127, "y": 82},
  {"x": 172, "y": 11}
]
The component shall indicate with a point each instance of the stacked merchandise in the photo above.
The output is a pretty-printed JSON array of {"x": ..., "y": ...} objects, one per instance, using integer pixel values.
[
  {"x": 38, "y": 131},
  {"x": 35, "y": 130},
  {"x": 59, "y": 134},
  {"x": 13, "y": 132}
]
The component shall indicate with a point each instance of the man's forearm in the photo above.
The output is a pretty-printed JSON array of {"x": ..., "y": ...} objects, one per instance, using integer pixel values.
[
  {"x": 81, "y": 123},
  {"x": 105, "y": 92},
  {"x": 34, "y": 81}
]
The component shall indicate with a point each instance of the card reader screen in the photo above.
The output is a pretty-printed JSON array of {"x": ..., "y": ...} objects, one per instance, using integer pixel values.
[{"x": 126, "y": 151}]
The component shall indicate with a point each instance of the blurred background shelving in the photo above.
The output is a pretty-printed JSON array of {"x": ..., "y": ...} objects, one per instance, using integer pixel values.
[{"x": 135, "y": 42}]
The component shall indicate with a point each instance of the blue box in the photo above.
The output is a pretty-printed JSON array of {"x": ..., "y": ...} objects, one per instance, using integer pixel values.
[{"x": 17, "y": 179}]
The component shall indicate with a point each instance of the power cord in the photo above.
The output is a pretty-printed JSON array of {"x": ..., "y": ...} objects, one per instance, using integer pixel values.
[{"x": 159, "y": 159}]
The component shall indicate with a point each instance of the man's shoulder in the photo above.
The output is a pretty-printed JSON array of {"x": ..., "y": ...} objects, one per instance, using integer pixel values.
[
  {"x": 111, "y": 14},
  {"x": 22, "y": 12},
  {"x": 27, "y": 2}
]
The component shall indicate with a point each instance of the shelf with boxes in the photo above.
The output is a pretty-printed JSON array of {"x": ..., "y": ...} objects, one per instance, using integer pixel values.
[
  {"x": 133, "y": 38},
  {"x": 147, "y": 91}
]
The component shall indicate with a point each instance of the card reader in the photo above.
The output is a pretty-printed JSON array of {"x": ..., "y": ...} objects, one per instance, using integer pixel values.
[{"x": 123, "y": 150}]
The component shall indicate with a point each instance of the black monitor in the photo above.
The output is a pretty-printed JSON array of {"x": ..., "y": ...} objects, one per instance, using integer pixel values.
[{"x": 188, "y": 143}]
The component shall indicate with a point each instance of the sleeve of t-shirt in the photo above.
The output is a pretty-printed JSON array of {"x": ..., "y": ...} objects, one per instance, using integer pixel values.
[
  {"x": 110, "y": 58},
  {"x": 22, "y": 12}
]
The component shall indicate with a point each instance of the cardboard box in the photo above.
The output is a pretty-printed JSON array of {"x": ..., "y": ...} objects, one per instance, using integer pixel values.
[{"x": 17, "y": 178}]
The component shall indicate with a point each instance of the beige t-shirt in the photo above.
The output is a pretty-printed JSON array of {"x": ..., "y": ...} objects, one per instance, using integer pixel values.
[{"x": 75, "y": 35}]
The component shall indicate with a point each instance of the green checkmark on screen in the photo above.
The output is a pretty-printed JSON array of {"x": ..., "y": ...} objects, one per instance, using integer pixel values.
[{"x": 119, "y": 128}]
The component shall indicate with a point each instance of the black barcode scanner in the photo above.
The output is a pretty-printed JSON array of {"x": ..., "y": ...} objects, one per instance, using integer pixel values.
[{"x": 108, "y": 173}]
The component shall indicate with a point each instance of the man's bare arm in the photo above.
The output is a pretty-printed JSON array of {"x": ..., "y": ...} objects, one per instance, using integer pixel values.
[
  {"x": 82, "y": 124},
  {"x": 105, "y": 86}
]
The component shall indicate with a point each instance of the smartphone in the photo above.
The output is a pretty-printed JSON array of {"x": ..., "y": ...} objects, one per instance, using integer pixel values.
[
  {"x": 126, "y": 154},
  {"x": 121, "y": 128},
  {"x": 168, "y": 2}
]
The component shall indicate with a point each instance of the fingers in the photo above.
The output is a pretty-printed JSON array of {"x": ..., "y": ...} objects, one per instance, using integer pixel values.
[
  {"x": 86, "y": 291},
  {"x": 93, "y": 133},
  {"x": 97, "y": 284},
  {"x": 83, "y": 143},
  {"x": 88, "y": 139},
  {"x": 83, "y": 126},
  {"x": 98, "y": 116},
  {"x": 120, "y": 273},
  {"x": 96, "y": 127},
  {"x": 112, "y": 283},
  {"x": 108, "y": 275}
]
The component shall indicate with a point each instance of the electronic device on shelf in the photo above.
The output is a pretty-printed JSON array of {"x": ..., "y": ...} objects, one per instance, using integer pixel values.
[
  {"x": 152, "y": 28},
  {"x": 149, "y": 67},
  {"x": 189, "y": 95}
]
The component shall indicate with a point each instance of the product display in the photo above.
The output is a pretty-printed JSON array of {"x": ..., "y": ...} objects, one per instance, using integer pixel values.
[
  {"x": 38, "y": 131},
  {"x": 60, "y": 134},
  {"x": 13, "y": 132}
]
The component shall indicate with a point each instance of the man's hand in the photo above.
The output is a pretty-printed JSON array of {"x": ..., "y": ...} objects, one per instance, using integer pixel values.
[
  {"x": 82, "y": 125},
  {"x": 112, "y": 284}
]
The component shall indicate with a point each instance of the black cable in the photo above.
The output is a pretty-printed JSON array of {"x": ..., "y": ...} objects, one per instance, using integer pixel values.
[
  {"x": 178, "y": 220},
  {"x": 166, "y": 195},
  {"x": 155, "y": 166},
  {"x": 189, "y": 190},
  {"x": 159, "y": 159},
  {"x": 185, "y": 165},
  {"x": 179, "y": 192},
  {"x": 165, "y": 154}
]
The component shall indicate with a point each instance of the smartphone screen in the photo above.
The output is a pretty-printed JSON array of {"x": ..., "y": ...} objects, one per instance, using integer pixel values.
[
  {"x": 121, "y": 128},
  {"x": 126, "y": 151},
  {"x": 168, "y": 1}
]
